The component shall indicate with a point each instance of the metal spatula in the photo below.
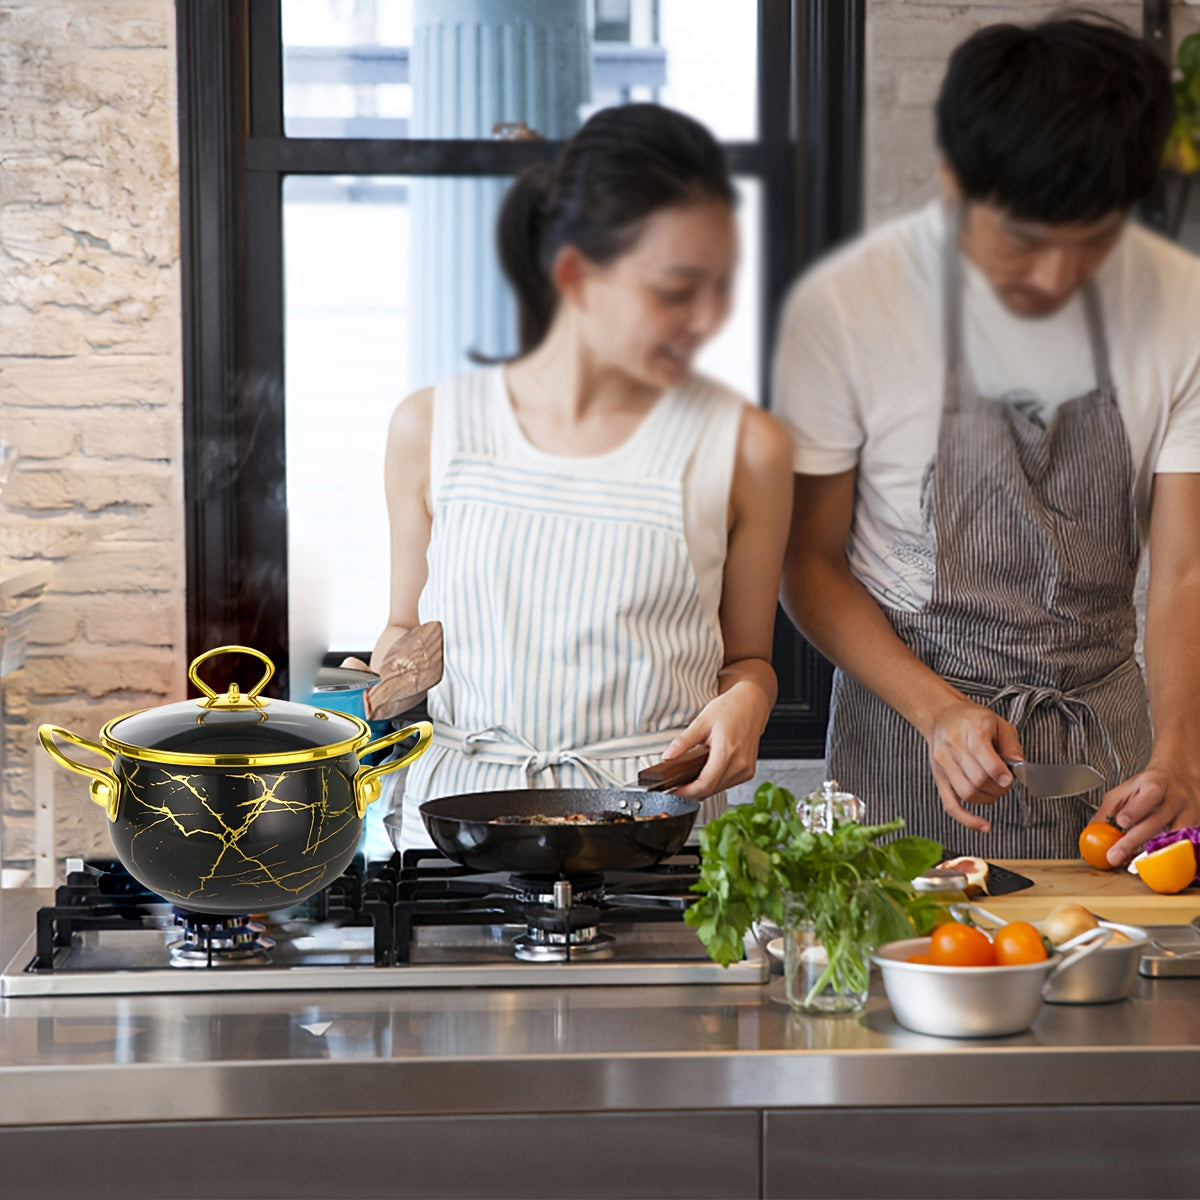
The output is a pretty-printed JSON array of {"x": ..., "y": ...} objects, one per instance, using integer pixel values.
[{"x": 1055, "y": 779}]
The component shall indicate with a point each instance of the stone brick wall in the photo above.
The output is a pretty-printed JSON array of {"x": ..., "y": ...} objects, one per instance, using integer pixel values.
[
  {"x": 90, "y": 383},
  {"x": 908, "y": 42}
]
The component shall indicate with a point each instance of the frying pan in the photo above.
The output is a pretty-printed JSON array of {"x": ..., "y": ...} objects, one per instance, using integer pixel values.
[{"x": 461, "y": 826}]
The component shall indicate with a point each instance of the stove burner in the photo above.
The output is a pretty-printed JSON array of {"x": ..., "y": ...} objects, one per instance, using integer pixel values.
[
  {"x": 563, "y": 929},
  {"x": 210, "y": 941},
  {"x": 536, "y": 946},
  {"x": 578, "y": 918},
  {"x": 540, "y": 889},
  {"x": 562, "y": 934}
]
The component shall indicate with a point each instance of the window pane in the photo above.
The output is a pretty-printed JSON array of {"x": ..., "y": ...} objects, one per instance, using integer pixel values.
[
  {"x": 454, "y": 68},
  {"x": 389, "y": 282}
]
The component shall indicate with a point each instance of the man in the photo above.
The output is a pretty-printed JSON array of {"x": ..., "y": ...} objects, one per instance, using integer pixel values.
[{"x": 995, "y": 405}]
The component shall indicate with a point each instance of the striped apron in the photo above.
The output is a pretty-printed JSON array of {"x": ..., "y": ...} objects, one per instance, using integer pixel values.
[
  {"x": 1031, "y": 612},
  {"x": 576, "y": 643}
]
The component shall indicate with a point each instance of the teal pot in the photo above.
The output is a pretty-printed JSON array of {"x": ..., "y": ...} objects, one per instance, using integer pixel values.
[{"x": 344, "y": 690}]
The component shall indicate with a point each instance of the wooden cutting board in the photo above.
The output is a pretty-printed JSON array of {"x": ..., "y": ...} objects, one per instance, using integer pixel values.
[{"x": 1113, "y": 895}]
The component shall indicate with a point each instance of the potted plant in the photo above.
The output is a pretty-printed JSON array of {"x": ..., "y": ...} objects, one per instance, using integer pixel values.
[
  {"x": 1182, "y": 153},
  {"x": 836, "y": 888}
]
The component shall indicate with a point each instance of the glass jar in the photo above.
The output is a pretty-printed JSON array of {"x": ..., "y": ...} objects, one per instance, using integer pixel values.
[
  {"x": 812, "y": 984},
  {"x": 945, "y": 885}
]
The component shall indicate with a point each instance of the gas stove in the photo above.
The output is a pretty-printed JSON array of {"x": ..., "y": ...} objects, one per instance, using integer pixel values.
[{"x": 412, "y": 921}]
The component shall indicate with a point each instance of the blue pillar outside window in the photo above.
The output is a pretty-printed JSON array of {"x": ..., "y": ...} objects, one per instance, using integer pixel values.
[{"x": 477, "y": 63}]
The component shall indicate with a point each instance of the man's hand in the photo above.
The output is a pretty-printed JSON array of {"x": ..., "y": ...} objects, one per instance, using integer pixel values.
[
  {"x": 968, "y": 744},
  {"x": 1153, "y": 801}
]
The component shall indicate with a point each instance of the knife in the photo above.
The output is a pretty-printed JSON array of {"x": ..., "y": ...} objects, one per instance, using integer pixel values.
[
  {"x": 1055, "y": 779},
  {"x": 1000, "y": 880}
]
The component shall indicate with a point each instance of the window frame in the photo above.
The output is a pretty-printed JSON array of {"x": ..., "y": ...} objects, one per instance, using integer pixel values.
[{"x": 234, "y": 157}]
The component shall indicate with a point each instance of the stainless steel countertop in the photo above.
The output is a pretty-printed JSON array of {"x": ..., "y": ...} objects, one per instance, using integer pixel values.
[{"x": 482, "y": 1050}]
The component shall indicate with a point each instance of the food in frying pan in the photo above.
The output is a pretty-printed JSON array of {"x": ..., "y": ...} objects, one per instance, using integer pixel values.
[{"x": 576, "y": 818}]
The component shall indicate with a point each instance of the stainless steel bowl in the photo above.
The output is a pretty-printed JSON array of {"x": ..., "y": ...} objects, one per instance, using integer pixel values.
[
  {"x": 960, "y": 1001},
  {"x": 1105, "y": 975}
]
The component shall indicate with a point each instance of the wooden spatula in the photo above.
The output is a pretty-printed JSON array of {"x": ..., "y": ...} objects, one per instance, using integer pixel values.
[{"x": 412, "y": 666}]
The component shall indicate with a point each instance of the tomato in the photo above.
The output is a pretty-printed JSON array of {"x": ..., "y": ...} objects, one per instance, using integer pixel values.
[
  {"x": 1097, "y": 838},
  {"x": 1017, "y": 943},
  {"x": 919, "y": 958},
  {"x": 955, "y": 945}
]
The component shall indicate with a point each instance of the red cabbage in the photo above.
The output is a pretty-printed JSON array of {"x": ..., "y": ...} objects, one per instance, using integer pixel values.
[{"x": 1191, "y": 833}]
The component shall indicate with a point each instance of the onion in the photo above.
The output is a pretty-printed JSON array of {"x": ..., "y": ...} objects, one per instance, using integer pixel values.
[{"x": 1067, "y": 920}]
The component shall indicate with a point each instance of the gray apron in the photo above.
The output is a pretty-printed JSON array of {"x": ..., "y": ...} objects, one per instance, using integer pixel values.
[{"x": 1031, "y": 612}]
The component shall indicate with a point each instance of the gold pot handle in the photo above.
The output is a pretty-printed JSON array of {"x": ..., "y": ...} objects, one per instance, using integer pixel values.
[
  {"x": 234, "y": 697},
  {"x": 366, "y": 782},
  {"x": 106, "y": 787}
]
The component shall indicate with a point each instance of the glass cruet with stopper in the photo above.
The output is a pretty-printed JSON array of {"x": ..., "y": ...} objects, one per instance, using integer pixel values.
[{"x": 822, "y": 809}]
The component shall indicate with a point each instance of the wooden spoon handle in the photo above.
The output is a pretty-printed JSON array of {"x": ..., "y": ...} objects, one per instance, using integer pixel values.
[
  {"x": 673, "y": 772},
  {"x": 412, "y": 665}
]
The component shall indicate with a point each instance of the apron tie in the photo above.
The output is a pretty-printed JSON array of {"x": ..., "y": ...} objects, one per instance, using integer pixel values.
[
  {"x": 500, "y": 744},
  {"x": 1018, "y": 702}
]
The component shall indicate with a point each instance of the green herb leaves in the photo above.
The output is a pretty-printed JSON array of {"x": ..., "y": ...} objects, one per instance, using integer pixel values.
[
  {"x": 759, "y": 862},
  {"x": 1183, "y": 144}
]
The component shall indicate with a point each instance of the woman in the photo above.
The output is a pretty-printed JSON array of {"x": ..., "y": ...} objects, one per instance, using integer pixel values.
[{"x": 599, "y": 530}]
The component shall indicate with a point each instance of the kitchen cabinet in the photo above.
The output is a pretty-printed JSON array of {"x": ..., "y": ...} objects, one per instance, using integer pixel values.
[
  {"x": 1081, "y": 1151},
  {"x": 511, "y": 1157}
]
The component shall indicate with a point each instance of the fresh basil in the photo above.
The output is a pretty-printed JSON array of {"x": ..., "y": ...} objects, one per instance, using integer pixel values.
[{"x": 760, "y": 863}]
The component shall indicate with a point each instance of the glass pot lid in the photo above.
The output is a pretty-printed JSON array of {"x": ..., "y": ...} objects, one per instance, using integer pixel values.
[{"x": 235, "y": 729}]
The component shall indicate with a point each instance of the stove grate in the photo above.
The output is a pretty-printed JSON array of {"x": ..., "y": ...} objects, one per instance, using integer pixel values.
[{"x": 393, "y": 897}]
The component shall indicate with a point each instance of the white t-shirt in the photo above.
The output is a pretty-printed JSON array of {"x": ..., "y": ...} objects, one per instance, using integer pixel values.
[{"x": 860, "y": 374}]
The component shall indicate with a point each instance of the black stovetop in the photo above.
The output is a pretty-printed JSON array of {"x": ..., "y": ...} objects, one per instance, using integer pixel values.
[{"x": 392, "y": 899}]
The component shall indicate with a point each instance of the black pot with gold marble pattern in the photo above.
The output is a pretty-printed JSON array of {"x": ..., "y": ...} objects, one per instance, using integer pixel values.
[{"x": 235, "y": 803}]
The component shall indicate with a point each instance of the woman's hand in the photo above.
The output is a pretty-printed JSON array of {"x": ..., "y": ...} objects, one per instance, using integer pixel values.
[
  {"x": 730, "y": 726},
  {"x": 968, "y": 744},
  {"x": 733, "y": 722}
]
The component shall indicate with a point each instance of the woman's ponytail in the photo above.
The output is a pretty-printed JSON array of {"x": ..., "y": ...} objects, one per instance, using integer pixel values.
[{"x": 521, "y": 247}]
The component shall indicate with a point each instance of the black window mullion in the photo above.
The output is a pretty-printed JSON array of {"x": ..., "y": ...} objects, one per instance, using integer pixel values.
[
  {"x": 260, "y": 579},
  {"x": 460, "y": 156},
  {"x": 263, "y": 578},
  {"x": 830, "y": 63},
  {"x": 826, "y": 50},
  {"x": 266, "y": 68},
  {"x": 212, "y": 106},
  {"x": 774, "y": 70}
]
